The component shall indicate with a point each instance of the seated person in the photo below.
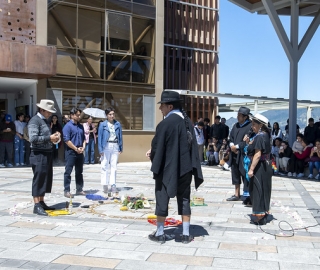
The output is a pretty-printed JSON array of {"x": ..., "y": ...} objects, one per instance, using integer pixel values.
[
  {"x": 296, "y": 163},
  {"x": 224, "y": 152},
  {"x": 285, "y": 153},
  {"x": 214, "y": 148},
  {"x": 297, "y": 146},
  {"x": 275, "y": 151},
  {"x": 314, "y": 161}
]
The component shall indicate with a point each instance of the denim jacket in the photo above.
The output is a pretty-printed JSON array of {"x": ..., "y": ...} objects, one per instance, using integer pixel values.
[{"x": 104, "y": 134}]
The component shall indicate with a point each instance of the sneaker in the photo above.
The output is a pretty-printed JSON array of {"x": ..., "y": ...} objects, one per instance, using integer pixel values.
[
  {"x": 300, "y": 175},
  {"x": 317, "y": 177},
  {"x": 22, "y": 164},
  {"x": 186, "y": 239},
  {"x": 289, "y": 174},
  {"x": 226, "y": 167},
  {"x": 233, "y": 198},
  {"x": 294, "y": 175},
  {"x": 310, "y": 176},
  {"x": 2, "y": 166},
  {"x": 9, "y": 165},
  {"x": 17, "y": 164}
]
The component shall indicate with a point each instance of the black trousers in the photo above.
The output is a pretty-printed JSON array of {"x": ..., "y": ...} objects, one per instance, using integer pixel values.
[
  {"x": 183, "y": 196},
  {"x": 73, "y": 160},
  {"x": 237, "y": 177},
  {"x": 296, "y": 165},
  {"x": 41, "y": 163},
  {"x": 6, "y": 147}
]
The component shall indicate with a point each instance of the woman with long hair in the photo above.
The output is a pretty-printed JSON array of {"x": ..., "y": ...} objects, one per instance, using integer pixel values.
[
  {"x": 276, "y": 131},
  {"x": 110, "y": 146},
  {"x": 260, "y": 170}
]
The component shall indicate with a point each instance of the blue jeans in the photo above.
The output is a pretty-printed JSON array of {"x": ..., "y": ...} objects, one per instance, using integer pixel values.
[
  {"x": 314, "y": 164},
  {"x": 18, "y": 150},
  {"x": 89, "y": 152},
  {"x": 73, "y": 160}
]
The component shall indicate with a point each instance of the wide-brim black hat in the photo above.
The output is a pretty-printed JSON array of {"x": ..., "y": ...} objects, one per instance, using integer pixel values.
[{"x": 169, "y": 97}]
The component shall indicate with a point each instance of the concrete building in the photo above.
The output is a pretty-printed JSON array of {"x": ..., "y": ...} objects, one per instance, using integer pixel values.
[{"x": 102, "y": 53}]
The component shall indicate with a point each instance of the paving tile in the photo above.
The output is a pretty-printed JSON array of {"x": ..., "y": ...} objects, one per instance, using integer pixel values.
[
  {"x": 247, "y": 247},
  {"x": 180, "y": 259},
  {"x": 29, "y": 255},
  {"x": 32, "y": 225},
  {"x": 244, "y": 264},
  {"x": 87, "y": 261},
  {"x": 119, "y": 254},
  {"x": 57, "y": 240},
  {"x": 13, "y": 263},
  {"x": 55, "y": 266},
  {"x": 15, "y": 237},
  {"x": 226, "y": 253},
  {"x": 300, "y": 238},
  {"x": 34, "y": 265},
  {"x": 298, "y": 266},
  {"x": 87, "y": 236},
  {"x": 302, "y": 258},
  {"x": 60, "y": 249},
  {"x": 168, "y": 249},
  {"x": 8, "y": 244},
  {"x": 34, "y": 231},
  {"x": 134, "y": 265},
  {"x": 109, "y": 245}
]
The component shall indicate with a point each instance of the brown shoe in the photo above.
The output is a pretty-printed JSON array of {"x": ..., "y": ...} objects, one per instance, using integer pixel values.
[
  {"x": 81, "y": 193},
  {"x": 68, "y": 195}
]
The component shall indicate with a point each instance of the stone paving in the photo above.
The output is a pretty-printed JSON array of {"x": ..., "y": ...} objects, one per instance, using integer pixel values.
[{"x": 103, "y": 237}]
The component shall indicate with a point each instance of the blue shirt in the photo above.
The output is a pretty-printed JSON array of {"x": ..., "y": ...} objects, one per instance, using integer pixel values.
[{"x": 74, "y": 133}]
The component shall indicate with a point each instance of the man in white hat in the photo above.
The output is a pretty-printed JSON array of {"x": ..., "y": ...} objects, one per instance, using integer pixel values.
[{"x": 41, "y": 141}]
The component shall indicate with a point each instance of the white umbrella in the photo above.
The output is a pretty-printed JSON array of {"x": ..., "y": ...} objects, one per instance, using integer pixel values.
[{"x": 95, "y": 112}]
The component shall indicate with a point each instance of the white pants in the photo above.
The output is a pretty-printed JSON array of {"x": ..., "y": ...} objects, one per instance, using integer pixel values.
[
  {"x": 283, "y": 162},
  {"x": 109, "y": 161}
]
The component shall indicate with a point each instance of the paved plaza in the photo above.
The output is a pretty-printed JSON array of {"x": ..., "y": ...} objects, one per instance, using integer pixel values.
[{"x": 103, "y": 237}]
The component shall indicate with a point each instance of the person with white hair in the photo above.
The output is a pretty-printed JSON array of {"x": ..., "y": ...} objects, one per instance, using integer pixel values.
[{"x": 260, "y": 169}]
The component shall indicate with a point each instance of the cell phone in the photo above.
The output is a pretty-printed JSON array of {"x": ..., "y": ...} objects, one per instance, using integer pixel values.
[{"x": 281, "y": 147}]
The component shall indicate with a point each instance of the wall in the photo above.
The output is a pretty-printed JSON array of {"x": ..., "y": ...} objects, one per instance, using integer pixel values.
[{"x": 24, "y": 98}]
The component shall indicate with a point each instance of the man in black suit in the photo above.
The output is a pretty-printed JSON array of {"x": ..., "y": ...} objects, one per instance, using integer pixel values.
[
  {"x": 175, "y": 158},
  {"x": 237, "y": 145}
]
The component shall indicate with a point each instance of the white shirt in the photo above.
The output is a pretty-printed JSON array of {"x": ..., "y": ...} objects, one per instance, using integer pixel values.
[
  {"x": 113, "y": 135},
  {"x": 199, "y": 135},
  {"x": 19, "y": 126}
]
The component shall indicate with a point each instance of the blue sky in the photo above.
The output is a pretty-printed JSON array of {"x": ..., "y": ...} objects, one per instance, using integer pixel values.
[{"x": 253, "y": 62}]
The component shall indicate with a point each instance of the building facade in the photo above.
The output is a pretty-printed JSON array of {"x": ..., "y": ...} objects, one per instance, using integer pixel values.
[{"x": 123, "y": 54}]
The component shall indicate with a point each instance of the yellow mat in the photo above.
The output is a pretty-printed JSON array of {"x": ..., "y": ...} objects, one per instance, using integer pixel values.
[{"x": 57, "y": 212}]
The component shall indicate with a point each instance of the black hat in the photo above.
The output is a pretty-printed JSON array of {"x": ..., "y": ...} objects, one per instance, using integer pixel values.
[
  {"x": 169, "y": 96},
  {"x": 244, "y": 110}
]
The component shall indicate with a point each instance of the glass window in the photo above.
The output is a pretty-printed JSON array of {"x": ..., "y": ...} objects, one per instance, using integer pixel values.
[
  {"x": 66, "y": 62},
  {"x": 62, "y": 25},
  {"x": 137, "y": 112},
  {"x": 88, "y": 64},
  {"x": 119, "y": 32},
  {"x": 117, "y": 5},
  {"x": 148, "y": 113},
  {"x": 90, "y": 29},
  {"x": 146, "y": 2},
  {"x": 118, "y": 67}
]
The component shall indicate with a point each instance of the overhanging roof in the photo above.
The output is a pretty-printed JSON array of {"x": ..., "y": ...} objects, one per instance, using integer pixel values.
[{"x": 283, "y": 7}]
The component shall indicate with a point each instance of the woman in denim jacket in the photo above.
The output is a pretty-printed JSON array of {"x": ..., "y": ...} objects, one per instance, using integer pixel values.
[{"x": 110, "y": 146}]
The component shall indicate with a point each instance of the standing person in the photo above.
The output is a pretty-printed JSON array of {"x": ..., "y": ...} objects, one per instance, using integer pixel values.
[
  {"x": 7, "y": 134},
  {"x": 216, "y": 129},
  {"x": 73, "y": 136},
  {"x": 225, "y": 129},
  {"x": 26, "y": 140},
  {"x": 260, "y": 171},
  {"x": 55, "y": 127},
  {"x": 310, "y": 131},
  {"x": 206, "y": 132},
  {"x": 90, "y": 133},
  {"x": 198, "y": 130},
  {"x": 41, "y": 141},
  {"x": 19, "y": 149},
  {"x": 110, "y": 146},
  {"x": 237, "y": 134},
  {"x": 174, "y": 157}
]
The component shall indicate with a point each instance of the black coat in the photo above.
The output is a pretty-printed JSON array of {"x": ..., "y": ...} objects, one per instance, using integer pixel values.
[
  {"x": 236, "y": 136},
  {"x": 170, "y": 154}
]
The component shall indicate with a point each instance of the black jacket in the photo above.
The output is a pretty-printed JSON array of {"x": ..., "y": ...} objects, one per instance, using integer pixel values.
[
  {"x": 310, "y": 133},
  {"x": 236, "y": 136},
  {"x": 170, "y": 154}
]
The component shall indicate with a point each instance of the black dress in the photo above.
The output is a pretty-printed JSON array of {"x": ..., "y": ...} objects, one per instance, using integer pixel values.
[{"x": 260, "y": 184}]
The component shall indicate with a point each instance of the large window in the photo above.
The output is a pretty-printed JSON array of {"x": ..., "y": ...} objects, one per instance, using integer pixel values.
[{"x": 105, "y": 57}]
